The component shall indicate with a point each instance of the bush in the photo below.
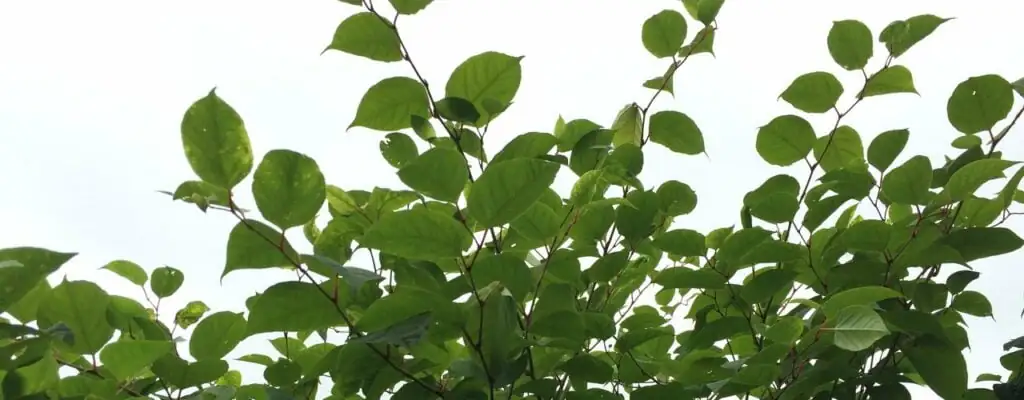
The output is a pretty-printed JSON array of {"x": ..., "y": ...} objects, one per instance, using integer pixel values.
[{"x": 488, "y": 283}]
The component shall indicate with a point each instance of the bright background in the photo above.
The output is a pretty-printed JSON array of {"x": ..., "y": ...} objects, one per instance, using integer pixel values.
[{"x": 92, "y": 95}]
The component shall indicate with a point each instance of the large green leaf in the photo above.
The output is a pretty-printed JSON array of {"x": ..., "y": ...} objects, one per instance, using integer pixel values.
[
  {"x": 900, "y": 36},
  {"x": 289, "y": 188},
  {"x": 419, "y": 234},
  {"x": 217, "y": 335},
  {"x": 886, "y": 147},
  {"x": 842, "y": 149},
  {"x": 255, "y": 245},
  {"x": 892, "y": 79},
  {"x": 909, "y": 183},
  {"x": 82, "y": 307},
  {"x": 940, "y": 365},
  {"x": 398, "y": 149},
  {"x": 439, "y": 173},
  {"x": 405, "y": 333},
  {"x": 682, "y": 242},
  {"x": 967, "y": 180},
  {"x": 663, "y": 33},
  {"x": 785, "y": 140},
  {"x": 850, "y": 43},
  {"x": 367, "y": 35},
  {"x": 857, "y": 328},
  {"x": 127, "y": 358},
  {"x": 182, "y": 374},
  {"x": 216, "y": 142},
  {"x": 677, "y": 132},
  {"x": 979, "y": 102},
  {"x": 861, "y": 296},
  {"x": 389, "y": 105},
  {"x": 527, "y": 145},
  {"x": 23, "y": 268},
  {"x": 292, "y": 307},
  {"x": 973, "y": 303},
  {"x": 508, "y": 189},
  {"x": 489, "y": 80}
]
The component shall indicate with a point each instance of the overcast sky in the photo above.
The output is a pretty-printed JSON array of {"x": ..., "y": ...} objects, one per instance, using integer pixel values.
[{"x": 92, "y": 94}]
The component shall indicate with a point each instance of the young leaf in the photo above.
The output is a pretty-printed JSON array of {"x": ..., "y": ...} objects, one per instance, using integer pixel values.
[
  {"x": 973, "y": 303},
  {"x": 814, "y": 92},
  {"x": 850, "y": 44},
  {"x": 957, "y": 281},
  {"x": 842, "y": 149},
  {"x": 527, "y": 145},
  {"x": 663, "y": 33},
  {"x": 900, "y": 36},
  {"x": 216, "y": 142},
  {"x": 289, "y": 188},
  {"x": 367, "y": 35}
]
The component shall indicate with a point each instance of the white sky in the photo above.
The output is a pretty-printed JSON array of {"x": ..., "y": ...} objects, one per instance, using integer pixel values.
[{"x": 92, "y": 94}]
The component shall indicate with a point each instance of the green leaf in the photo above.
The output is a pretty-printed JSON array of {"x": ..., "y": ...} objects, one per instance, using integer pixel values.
[
  {"x": 860, "y": 296},
  {"x": 216, "y": 142},
  {"x": 786, "y": 330},
  {"x": 165, "y": 281},
  {"x": 418, "y": 234},
  {"x": 708, "y": 10},
  {"x": 767, "y": 283},
  {"x": 682, "y": 242},
  {"x": 981, "y": 242},
  {"x": 423, "y": 128},
  {"x": 190, "y": 314},
  {"x": 909, "y": 183},
  {"x": 439, "y": 173},
  {"x": 978, "y": 103},
  {"x": 868, "y": 235},
  {"x": 217, "y": 335},
  {"x": 588, "y": 368},
  {"x": 939, "y": 364},
  {"x": 391, "y": 104},
  {"x": 685, "y": 278},
  {"x": 572, "y": 132},
  {"x": 677, "y": 198},
  {"x": 814, "y": 92},
  {"x": 957, "y": 281},
  {"x": 842, "y": 149},
  {"x": 254, "y": 245},
  {"x": 677, "y": 132},
  {"x": 637, "y": 222},
  {"x": 457, "y": 109},
  {"x": 292, "y": 307},
  {"x": 663, "y": 33},
  {"x": 969, "y": 179},
  {"x": 716, "y": 330},
  {"x": 398, "y": 149},
  {"x": 509, "y": 270},
  {"x": 405, "y": 333},
  {"x": 393, "y": 309},
  {"x": 900, "y": 36},
  {"x": 850, "y": 44},
  {"x": 488, "y": 77},
  {"x": 367, "y": 35},
  {"x": 892, "y": 79},
  {"x": 82, "y": 306},
  {"x": 966, "y": 142},
  {"x": 857, "y": 328},
  {"x": 506, "y": 190},
  {"x": 886, "y": 147},
  {"x": 128, "y": 358},
  {"x": 288, "y": 188},
  {"x": 589, "y": 187},
  {"x": 628, "y": 126},
  {"x": 539, "y": 222},
  {"x": 409, "y": 7},
  {"x": 182, "y": 374},
  {"x": 973, "y": 303},
  {"x": 527, "y": 145},
  {"x": 775, "y": 200},
  {"x": 785, "y": 140},
  {"x": 128, "y": 270},
  {"x": 987, "y": 377}
]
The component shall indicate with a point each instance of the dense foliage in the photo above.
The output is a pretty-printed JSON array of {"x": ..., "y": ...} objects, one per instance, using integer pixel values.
[{"x": 486, "y": 283}]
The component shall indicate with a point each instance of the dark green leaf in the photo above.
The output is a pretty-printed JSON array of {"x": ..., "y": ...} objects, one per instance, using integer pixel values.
[
  {"x": 982, "y": 242},
  {"x": 506, "y": 190},
  {"x": 82, "y": 306},
  {"x": 405, "y": 333},
  {"x": 182, "y": 374},
  {"x": 868, "y": 235},
  {"x": 588, "y": 368},
  {"x": 391, "y": 104},
  {"x": 892, "y": 79},
  {"x": 967, "y": 180},
  {"x": 775, "y": 200},
  {"x": 814, "y": 92},
  {"x": 457, "y": 109},
  {"x": 973, "y": 303},
  {"x": 165, "y": 281},
  {"x": 957, "y": 281},
  {"x": 216, "y": 142},
  {"x": 398, "y": 149},
  {"x": 785, "y": 140},
  {"x": 682, "y": 242},
  {"x": 686, "y": 278},
  {"x": 850, "y": 44},
  {"x": 663, "y": 33},
  {"x": 367, "y": 35},
  {"x": 940, "y": 365},
  {"x": 409, "y": 7}
]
